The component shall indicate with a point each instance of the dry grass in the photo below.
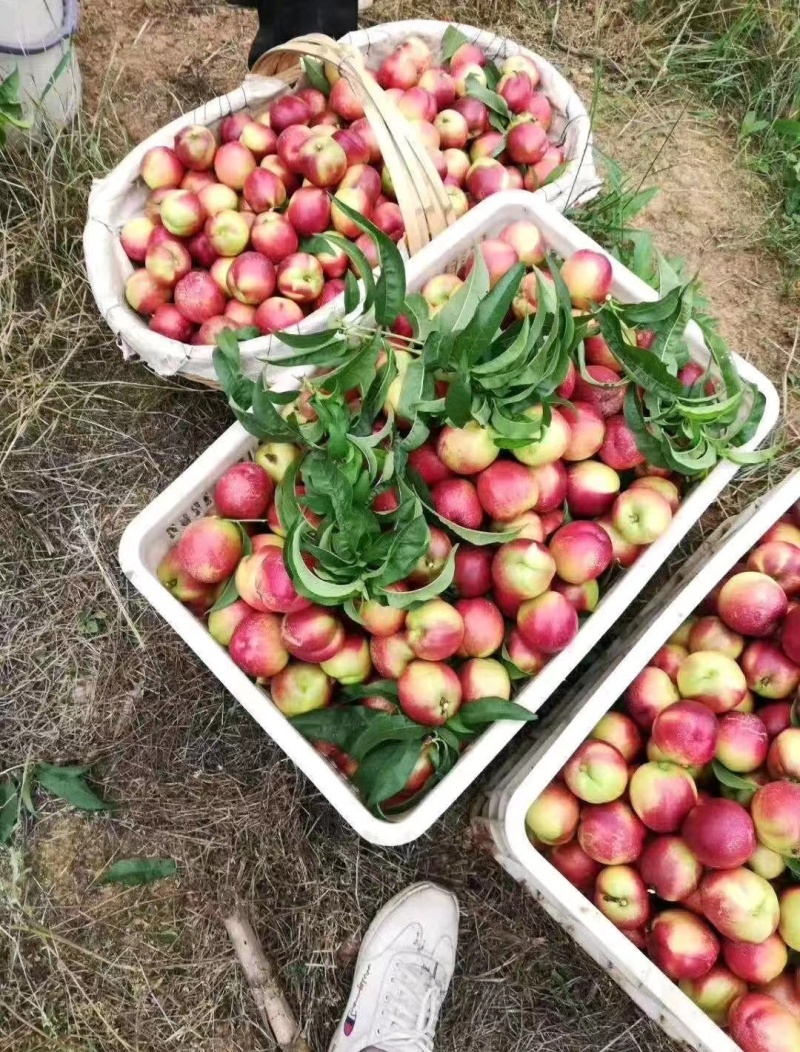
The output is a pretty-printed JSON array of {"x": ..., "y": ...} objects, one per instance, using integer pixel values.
[{"x": 90, "y": 673}]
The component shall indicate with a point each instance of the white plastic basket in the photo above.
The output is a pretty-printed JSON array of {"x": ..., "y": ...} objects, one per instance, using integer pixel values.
[
  {"x": 121, "y": 196},
  {"x": 148, "y": 537},
  {"x": 501, "y": 824}
]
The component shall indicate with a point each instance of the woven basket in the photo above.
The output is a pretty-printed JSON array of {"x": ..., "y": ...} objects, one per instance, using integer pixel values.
[{"x": 420, "y": 193}]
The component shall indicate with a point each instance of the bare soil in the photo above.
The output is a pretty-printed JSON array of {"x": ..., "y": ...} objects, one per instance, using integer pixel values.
[{"x": 92, "y": 675}]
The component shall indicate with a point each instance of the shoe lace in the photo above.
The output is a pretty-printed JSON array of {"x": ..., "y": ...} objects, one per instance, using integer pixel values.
[{"x": 411, "y": 1006}]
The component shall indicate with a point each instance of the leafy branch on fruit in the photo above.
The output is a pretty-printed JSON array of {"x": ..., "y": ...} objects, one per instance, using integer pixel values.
[
  {"x": 386, "y": 746},
  {"x": 391, "y": 371},
  {"x": 458, "y": 364}
]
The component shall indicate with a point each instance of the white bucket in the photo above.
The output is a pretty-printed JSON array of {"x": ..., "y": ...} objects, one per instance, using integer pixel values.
[{"x": 36, "y": 38}]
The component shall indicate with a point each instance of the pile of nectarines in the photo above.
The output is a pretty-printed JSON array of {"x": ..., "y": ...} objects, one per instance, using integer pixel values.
[
  {"x": 567, "y": 508},
  {"x": 221, "y": 242},
  {"x": 680, "y": 815}
]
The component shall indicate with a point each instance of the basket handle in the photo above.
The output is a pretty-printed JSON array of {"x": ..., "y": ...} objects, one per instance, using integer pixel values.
[{"x": 421, "y": 195}]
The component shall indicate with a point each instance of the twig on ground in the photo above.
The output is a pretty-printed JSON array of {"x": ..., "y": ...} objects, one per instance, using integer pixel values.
[{"x": 260, "y": 974}]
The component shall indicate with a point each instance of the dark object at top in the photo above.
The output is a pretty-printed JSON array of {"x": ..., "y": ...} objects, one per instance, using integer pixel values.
[{"x": 280, "y": 20}]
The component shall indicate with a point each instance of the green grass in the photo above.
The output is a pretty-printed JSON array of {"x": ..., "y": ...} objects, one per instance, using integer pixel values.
[
  {"x": 610, "y": 219},
  {"x": 745, "y": 56}
]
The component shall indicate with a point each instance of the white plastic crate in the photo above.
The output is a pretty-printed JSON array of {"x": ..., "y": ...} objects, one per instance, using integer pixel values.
[
  {"x": 501, "y": 823},
  {"x": 148, "y": 537}
]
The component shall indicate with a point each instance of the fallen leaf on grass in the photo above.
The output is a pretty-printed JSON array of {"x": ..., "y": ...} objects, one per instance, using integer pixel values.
[
  {"x": 9, "y": 808},
  {"x": 133, "y": 871},
  {"x": 68, "y": 784}
]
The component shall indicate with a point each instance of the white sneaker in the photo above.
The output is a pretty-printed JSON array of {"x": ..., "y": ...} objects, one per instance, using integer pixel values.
[{"x": 402, "y": 974}]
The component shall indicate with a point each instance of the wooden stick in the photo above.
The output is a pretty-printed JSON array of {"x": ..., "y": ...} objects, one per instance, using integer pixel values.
[{"x": 260, "y": 974}]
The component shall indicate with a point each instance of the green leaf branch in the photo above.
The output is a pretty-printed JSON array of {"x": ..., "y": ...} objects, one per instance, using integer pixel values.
[
  {"x": 386, "y": 746},
  {"x": 368, "y": 397}
]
